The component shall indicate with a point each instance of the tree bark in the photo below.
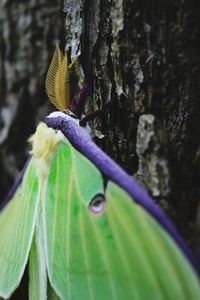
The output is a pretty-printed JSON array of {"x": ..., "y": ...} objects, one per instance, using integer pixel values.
[
  {"x": 144, "y": 57},
  {"x": 141, "y": 57}
]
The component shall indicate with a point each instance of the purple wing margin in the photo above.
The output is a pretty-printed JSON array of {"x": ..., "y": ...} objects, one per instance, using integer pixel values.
[{"x": 14, "y": 187}]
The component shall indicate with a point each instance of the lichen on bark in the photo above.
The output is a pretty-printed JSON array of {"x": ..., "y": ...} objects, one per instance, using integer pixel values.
[
  {"x": 73, "y": 24},
  {"x": 153, "y": 171}
]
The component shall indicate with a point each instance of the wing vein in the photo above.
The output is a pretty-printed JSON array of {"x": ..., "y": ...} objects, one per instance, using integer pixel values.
[
  {"x": 81, "y": 230},
  {"x": 102, "y": 252},
  {"x": 141, "y": 256}
]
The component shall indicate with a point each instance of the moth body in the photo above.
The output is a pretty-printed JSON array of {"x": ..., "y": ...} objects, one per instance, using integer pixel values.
[{"x": 43, "y": 143}]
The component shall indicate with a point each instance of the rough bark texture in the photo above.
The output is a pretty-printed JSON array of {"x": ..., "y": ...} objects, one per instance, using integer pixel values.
[{"x": 143, "y": 58}]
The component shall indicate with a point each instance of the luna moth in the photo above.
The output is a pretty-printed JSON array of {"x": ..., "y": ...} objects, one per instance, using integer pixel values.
[{"x": 85, "y": 227}]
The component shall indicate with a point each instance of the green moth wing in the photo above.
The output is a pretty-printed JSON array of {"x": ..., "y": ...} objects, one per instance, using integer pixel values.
[
  {"x": 67, "y": 182},
  {"x": 148, "y": 252},
  {"x": 17, "y": 221},
  {"x": 121, "y": 253},
  {"x": 88, "y": 232},
  {"x": 37, "y": 263},
  {"x": 36, "y": 283}
]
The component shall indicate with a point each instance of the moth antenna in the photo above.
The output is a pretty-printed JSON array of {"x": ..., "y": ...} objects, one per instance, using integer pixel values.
[
  {"x": 62, "y": 87},
  {"x": 57, "y": 81}
]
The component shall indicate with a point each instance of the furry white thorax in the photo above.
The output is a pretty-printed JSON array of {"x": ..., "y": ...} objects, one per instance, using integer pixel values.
[
  {"x": 43, "y": 143},
  {"x": 45, "y": 139}
]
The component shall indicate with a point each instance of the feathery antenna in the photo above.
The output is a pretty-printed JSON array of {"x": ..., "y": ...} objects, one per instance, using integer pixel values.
[{"x": 57, "y": 81}]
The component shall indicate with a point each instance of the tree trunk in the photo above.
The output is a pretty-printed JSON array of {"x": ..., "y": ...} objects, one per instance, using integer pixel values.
[
  {"x": 143, "y": 56},
  {"x": 142, "y": 60}
]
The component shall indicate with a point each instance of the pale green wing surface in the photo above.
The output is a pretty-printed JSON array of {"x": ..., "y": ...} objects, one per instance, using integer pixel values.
[
  {"x": 122, "y": 253},
  {"x": 37, "y": 278},
  {"x": 68, "y": 222},
  {"x": 37, "y": 264},
  {"x": 17, "y": 221},
  {"x": 148, "y": 257}
]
